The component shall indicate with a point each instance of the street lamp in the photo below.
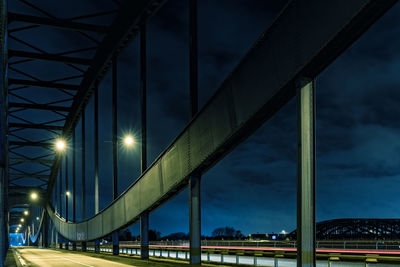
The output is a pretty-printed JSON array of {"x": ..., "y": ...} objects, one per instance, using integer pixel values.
[
  {"x": 67, "y": 193},
  {"x": 19, "y": 225},
  {"x": 37, "y": 218},
  {"x": 60, "y": 145},
  {"x": 22, "y": 219},
  {"x": 34, "y": 196},
  {"x": 129, "y": 140},
  {"x": 26, "y": 212}
]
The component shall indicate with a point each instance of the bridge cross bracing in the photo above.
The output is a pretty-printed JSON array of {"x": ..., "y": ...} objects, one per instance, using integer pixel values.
[{"x": 292, "y": 54}]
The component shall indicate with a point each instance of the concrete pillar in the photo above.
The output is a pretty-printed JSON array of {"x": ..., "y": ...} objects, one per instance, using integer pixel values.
[
  {"x": 144, "y": 235},
  {"x": 194, "y": 219},
  {"x": 306, "y": 174},
  {"x": 84, "y": 246}
]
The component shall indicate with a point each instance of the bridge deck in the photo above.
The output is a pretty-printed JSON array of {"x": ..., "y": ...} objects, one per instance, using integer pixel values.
[{"x": 52, "y": 257}]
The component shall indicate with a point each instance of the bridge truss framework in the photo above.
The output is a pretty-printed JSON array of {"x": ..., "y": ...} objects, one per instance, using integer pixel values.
[{"x": 282, "y": 64}]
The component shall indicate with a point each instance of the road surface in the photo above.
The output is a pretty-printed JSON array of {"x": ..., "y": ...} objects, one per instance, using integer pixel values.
[{"x": 50, "y": 257}]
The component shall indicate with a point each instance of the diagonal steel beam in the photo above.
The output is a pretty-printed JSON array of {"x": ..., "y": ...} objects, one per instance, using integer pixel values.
[
  {"x": 38, "y": 106},
  {"x": 29, "y": 175},
  {"x": 45, "y": 84},
  {"x": 57, "y": 23},
  {"x": 48, "y": 57},
  {"x": 35, "y": 126},
  {"x": 132, "y": 14},
  {"x": 39, "y": 144},
  {"x": 44, "y": 161}
]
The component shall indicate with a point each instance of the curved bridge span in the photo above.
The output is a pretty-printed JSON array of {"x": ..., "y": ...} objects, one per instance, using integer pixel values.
[{"x": 282, "y": 64}]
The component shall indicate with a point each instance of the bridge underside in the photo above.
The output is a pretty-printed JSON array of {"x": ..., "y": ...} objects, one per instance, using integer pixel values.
[{"x": 282, "y": 64}]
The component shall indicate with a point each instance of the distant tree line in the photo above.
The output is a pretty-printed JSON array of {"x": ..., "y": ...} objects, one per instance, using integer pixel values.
[{"x": 221, "y": 233}]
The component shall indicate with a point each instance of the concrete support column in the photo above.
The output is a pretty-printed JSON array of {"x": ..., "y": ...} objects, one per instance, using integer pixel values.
[
  {"x": 84, "y": 246},
  {"x": 306, "y": 173},
  {"x": 144, "y": 235},
  {"x": 194, "y": 219}
]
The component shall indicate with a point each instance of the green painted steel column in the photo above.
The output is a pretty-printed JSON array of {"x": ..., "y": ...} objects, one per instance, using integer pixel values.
[
  {"x": 194, "y": 179},
  {"x": 96, "y": 161},
  {"x": 115, "y": 235},
  {"x": 306, "y": 173},
  {"x": 4, "y": 216},
  {"x": 83, "y": 128},
  {"x": 144, "y": 217}
]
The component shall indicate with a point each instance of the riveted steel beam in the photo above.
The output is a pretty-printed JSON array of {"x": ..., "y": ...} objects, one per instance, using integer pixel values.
[
  {"x": 48, "y": 57},
  {"x": 57, "y": 23},
  {"x": 44, "y": 84}
]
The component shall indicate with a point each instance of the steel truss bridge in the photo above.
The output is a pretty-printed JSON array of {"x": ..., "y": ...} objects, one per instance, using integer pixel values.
[
  {"x": 356, "y": 229},
  {"x": 284, "y": 62}
]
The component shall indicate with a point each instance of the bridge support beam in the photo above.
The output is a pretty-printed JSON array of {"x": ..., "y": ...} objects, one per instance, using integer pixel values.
[
  {"x": 45, "y": 230},
  {"x": 144, "y": 235},
  {"x": 97, "y": 246},
  {"x": 96, "y": 161},
  {"x": 60, "y": 241},
  {"x": 144, "y": 217},
  {"x": 194, "y": 180},
  {"x": 4, "y": 228},
  {"x": 115, "y": 144},
  {"x": 195, "y": 219},
  {"x": 306, "y": 173}
]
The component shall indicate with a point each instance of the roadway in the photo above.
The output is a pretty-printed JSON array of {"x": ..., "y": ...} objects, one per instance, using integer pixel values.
[{"x": 50, "y": 257}]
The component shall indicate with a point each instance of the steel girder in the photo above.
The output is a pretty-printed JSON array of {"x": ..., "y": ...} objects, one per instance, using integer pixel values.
[{"x": 35, "y": 122}]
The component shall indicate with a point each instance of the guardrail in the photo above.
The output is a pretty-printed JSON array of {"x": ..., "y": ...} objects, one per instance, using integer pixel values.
[{"x": 267, "y": 253}]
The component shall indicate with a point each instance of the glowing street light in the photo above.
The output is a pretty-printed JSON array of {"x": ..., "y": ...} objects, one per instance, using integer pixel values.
[
  {"x": 22, "y": 219},
  {"x": 26, "y": 212},
  {"x": 37, "y": 218},
  {"x": 61, "y": 145},
  {"x": 19, "y": 225},
  {"x": 129, "y": 140},
  {"x": 67, "y": 193},
  {"x": 34, "y": 196}
]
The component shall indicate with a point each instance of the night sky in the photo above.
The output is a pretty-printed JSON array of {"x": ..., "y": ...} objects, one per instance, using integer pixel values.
[{"x": 253, "y": 189}]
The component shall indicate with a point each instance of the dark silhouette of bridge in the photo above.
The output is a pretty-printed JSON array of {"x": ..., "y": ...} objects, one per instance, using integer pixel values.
[{"x": 305, "y": 38}]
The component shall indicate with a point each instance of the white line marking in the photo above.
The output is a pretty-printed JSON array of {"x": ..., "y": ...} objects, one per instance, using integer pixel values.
[
  {"x": 21, "y": 260},
  {"x": 73, "y": 261}
]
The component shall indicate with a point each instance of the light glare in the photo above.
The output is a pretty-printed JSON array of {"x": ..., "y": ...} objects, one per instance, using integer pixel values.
[
  {"x": 60, "y": 145},
  {"x": 129, "y": 141},
  {"x": 26, "y": 212},
  {"x": 34, "y": 196},
  {"x": 22, "y": 220}
]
